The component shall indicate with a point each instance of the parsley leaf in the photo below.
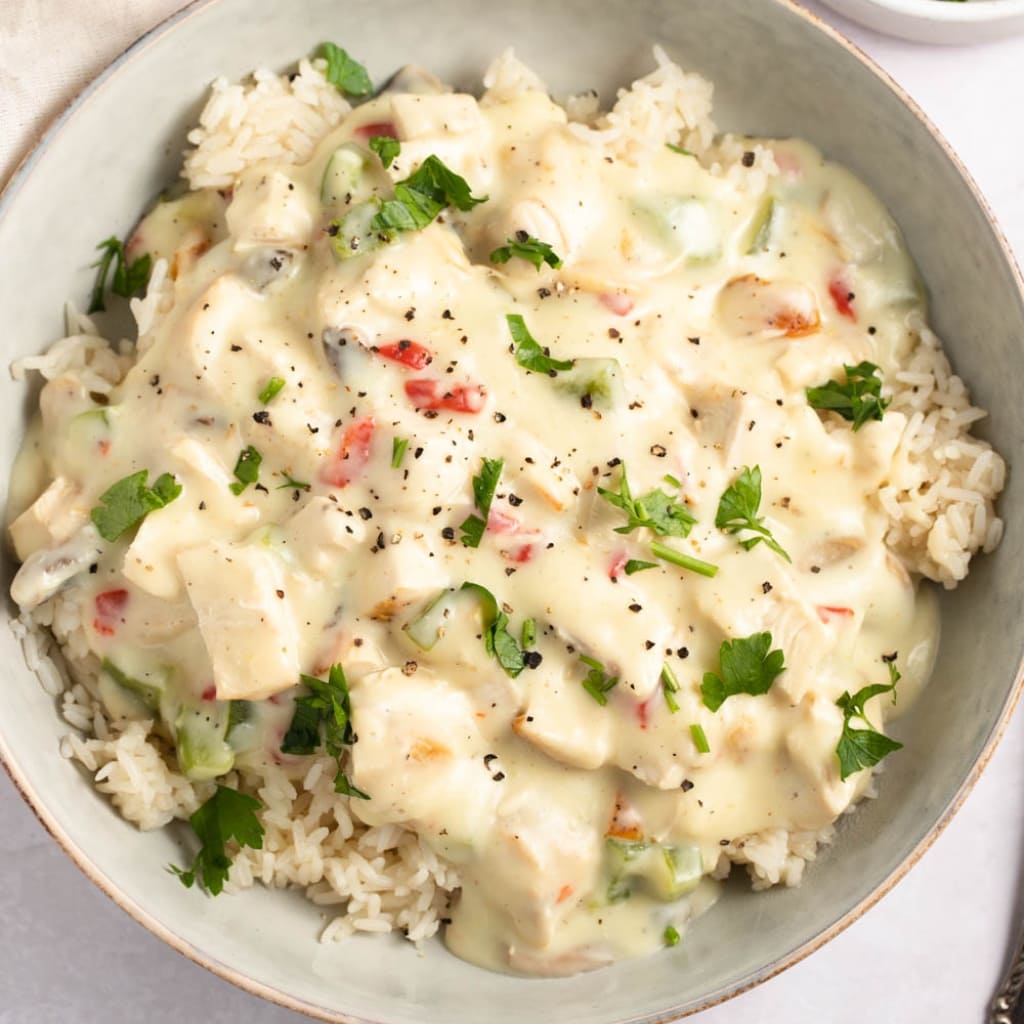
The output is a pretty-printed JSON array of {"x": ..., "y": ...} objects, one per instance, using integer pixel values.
[
  {"x": 637, "y": 565},
  {"x": 247, "y": 469},
  {"x": 228, "y": 814},
  {"x": 345, "y": 74},
  {"x": 656, "y": 510},
  {"x": 738, "y": 507},
  {"x": 864, "y": 748},
  {"x": 747, "y": 666},
  {"x": 386, "y": 148},
  {"x": 528, "y": 351},
  {"x": 525, "y": 247},
  {"x": 324, "y": 717},
  {"x": 597, "y": 682},
  {"x": 858, "y": 398},
  {"x": 498, "y": 641},
  {"x": 128, "y": 278},
  {"x": 484, "y": 485},
  {"x": 271, "y": 390},
  {"x": 671, "y": 935},
  {"x": 126, "y": 503},
  {"x": 422, "y": 196}
]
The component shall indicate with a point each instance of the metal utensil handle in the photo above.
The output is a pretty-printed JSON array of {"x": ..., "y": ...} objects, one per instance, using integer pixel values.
[{"x": 1007, "y": 998}]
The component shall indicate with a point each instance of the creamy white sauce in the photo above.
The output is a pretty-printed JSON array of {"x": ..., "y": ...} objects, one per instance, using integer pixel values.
[{"x": 518, "y": 781}]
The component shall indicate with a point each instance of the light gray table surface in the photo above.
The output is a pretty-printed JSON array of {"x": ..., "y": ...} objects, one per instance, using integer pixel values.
[{"x": 929, "y": 953}]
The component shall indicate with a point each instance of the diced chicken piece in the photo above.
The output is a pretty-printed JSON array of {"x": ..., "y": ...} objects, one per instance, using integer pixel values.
[
  {"x": 575, "y": 961},
  {"x": 412, "y": 78},
  {"x": 564, "y": 721},
  {"x": 151, "y": 561},
  {"x": 812, "y": 746},
  {"x": 435, "y": 115},
  {"x": 247, "y": 626},
  {"x": 874, "y": 447},
  {"x": 267, "y": 209},
  {"x": 402, "y": 573},
  {"x": 317, "y": 536},
  {"x": 544, "y": 475},
  {"x": 537, "y": 849},
  {"x": 420, "y": 757},
  {"x": 750, "y": 305},
  {"x": 634, "y": 649},
  {"x": 51, "y": 519},
  {"x": 794, "y": 623},
  {"x": 46, "y": 570}
]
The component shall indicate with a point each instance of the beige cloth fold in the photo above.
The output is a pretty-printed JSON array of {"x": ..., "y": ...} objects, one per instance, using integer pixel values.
[{"x": 50, "y": 50}]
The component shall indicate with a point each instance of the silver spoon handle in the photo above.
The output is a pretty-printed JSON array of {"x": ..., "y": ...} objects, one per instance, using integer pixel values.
[{"x": 1006, "y": 1004}]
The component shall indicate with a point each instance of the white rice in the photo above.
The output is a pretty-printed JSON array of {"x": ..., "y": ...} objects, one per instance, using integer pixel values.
[{"x": 939, "y": 501}]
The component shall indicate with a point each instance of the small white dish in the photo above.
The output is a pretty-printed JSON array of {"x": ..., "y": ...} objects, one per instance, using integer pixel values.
[{"x": 951, "y": 22}]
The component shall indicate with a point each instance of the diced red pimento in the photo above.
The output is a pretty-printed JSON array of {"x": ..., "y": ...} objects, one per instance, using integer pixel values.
[
  {"x": 520, "y": 555},
  {"x": 210, "y": 693},
  {"x": 564, "y": 893},
  {"x": 104, "y": 446},
  {"x": 431, "y": 395},
  {"x": 618, "y": 563},
  {"x": 499, "y": 521},
  {"x": 368, "y": 131},
  {"x": 828, "y": 613},
  {"x": 618, "y": 302},
  {"x": 408, "y": 353},
  {"x": 353, "y": 453},
  {"x": 842, "y": 297},
  {"x": 110, "y": 606}
]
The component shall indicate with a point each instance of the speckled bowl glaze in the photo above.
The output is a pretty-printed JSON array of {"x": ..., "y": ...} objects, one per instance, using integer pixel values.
[
  {"x": 778, "y": 72},
  {"x": 937, "y": 21}
]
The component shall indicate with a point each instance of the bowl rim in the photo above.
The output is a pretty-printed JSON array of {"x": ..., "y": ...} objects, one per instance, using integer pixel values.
[
  {"x": 977, "y": 10},
  {"x": 971, "y": 13}
]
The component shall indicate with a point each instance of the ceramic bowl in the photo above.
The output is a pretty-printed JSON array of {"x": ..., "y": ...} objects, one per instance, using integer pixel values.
[
  {"x": 778, "y": 72},
  {"x": 937, "y": 21}
]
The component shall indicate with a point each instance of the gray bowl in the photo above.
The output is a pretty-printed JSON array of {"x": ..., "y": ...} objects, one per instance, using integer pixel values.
[{"x": 777, "y": 72}]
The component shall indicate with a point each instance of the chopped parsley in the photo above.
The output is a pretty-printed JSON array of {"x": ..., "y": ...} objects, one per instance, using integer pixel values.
[
  {"x": 525, "y": 247},
  {"x": 271, "y": 390},
  {"x": 700, "y": 740},
  {"x": 857, "y": 399},
  {"x": 597, "y": 682},
  {"x": 679, "y": 149},
  {"x": 398, "y": 447},
  {"x": 126, "y": 503},
  {"x": 228, "y": 814},
  {"x": 290, "y": 482},
  {"x": 324, "y": 718},
  {"x": 747, "y": 665},
  {"x": 421, "y": 197},
  {"x": 864, "y": 748},
  {"x": 669, "y": 687},
  {"x": 348, "y": 76},
  {"x": 671, "y": 935},
  {"x": 657, "y": 511},
  {"x": 498, "y": 641},
  {"x": 528, "y": 636},
  {"x": 484, "y": 484},
  {"x": 247, "y": 469},
  {"x": 386, "y": 148},
  {"x": 128, "y": 278},
  {"x": 637, "y": 565},
  {"x": 737, "y": 510},
  {"x": 529, "y": 353}
]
